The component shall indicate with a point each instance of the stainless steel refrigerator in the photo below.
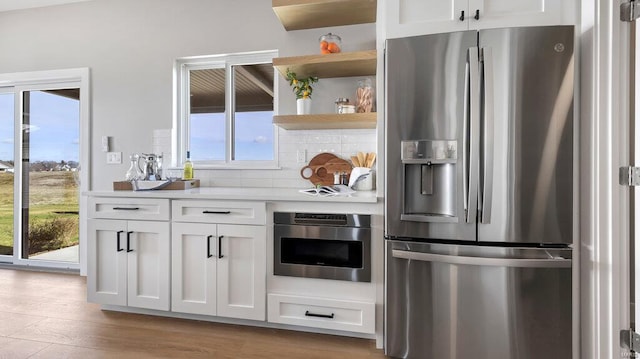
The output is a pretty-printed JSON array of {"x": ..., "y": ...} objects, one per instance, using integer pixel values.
[{"x": 480, "y": 199}]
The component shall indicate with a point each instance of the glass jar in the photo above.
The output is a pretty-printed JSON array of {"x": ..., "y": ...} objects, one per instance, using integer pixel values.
[
  {"x": 364, "y": 96},
  {"x": 134, "y": 172},
  {"x": 330, "y": 43},
  {"x": 340, "y": 102}
]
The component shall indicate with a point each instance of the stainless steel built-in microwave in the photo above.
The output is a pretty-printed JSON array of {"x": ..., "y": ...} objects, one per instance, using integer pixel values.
[{"x": 328, "y": 246}]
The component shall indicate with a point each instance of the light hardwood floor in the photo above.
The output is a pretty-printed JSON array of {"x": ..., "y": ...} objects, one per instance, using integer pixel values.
[{"x": 46, "y": 315}]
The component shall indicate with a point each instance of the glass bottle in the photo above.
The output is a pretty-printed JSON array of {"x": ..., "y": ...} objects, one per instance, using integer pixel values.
[
  {"x": 134, "y": 172},
  {"x": 187, "y": 173}
]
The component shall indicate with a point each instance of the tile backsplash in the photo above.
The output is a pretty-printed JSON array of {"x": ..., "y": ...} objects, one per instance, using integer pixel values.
[{"x": 342, "y": 143}]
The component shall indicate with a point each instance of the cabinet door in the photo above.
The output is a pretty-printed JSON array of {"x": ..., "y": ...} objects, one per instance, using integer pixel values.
[
  {"x": 419, "y": 17},
  {"x": 107, "y": 262},
  {"x": 193, "y": 273},
  {"x": 148, "y": 265},
  {"x": 512, "y": 13},
  {"x": 242, "y": 272}
]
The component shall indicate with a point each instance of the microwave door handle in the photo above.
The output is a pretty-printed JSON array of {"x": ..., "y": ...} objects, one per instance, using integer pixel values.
[
  {"x": 487, "y": 140},
  {"x": 473, "y": 134},
  {"x": 557, "y": 262}
]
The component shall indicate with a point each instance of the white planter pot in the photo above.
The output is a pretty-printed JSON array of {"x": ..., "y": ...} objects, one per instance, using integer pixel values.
[{"x": 303, "y": 106}]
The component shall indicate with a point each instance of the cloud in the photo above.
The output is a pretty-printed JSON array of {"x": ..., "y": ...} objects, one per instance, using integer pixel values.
[
  {"x": 30, "y": 128},
  {"x": 260, "y": 139},
  {"x": 7, "y": 140},
  {"x": 75, "y": 141}
]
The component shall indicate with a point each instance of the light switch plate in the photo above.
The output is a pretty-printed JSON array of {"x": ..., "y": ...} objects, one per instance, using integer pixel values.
[
  {"x": 105, "y": 143},
  {"x": 114, "y": 158}
]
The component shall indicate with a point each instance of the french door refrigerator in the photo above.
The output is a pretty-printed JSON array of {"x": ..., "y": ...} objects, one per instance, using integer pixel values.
[{"x": 480, "y": 199}]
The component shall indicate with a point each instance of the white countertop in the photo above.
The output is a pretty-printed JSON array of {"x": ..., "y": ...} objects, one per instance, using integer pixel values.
[{"x": 241, "y": 193}]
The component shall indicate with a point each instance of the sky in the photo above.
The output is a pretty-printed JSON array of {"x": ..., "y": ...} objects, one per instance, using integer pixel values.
[
  {"x": 254, "y": 136},
  {"x": 54, "y": 129}
]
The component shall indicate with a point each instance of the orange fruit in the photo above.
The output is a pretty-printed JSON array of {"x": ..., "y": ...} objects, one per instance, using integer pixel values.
[
  {"x": 324, "y": 45},
  {"x": 325, "y": 51},
  {"x": 333, "y": 47}
]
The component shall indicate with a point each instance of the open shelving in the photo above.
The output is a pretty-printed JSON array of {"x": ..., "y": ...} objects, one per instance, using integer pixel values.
[
  {"x": 342, "y": 64},
  {"x": 309, "y": 14},
  {"x": 326, "y": 121}
]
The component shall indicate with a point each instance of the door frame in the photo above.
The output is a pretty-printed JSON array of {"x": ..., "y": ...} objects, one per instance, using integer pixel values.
[{"x": 38, "y": 80}]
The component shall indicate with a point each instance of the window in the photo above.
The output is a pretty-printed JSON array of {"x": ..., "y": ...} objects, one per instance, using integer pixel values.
[{"x": 225, "y": 111}]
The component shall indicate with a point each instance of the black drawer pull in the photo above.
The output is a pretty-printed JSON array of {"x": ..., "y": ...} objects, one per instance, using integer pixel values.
[
  {"x": 129, "y": 242},
  {"x": 477, "y": 17},
  {"x": 126, "y": 208},
  {"x": 220, "y": 247},
  {"x": 308, "y": 314},
  {"x": 461, "y": 15},
  {"x": 216, "y": 212},
  {"x": 118, "y": 241},
  {"x": 209, "y": 255}
]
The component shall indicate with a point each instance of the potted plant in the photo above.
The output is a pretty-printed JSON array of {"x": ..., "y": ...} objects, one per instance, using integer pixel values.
[{"x": 302, "y": 89}]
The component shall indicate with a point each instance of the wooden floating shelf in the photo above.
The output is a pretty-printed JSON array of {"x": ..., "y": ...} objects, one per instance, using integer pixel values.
[
  {"x": 342, "y": 64},
  {"x": 327, "y": 121},
  {"x": 308, "y": 14}
]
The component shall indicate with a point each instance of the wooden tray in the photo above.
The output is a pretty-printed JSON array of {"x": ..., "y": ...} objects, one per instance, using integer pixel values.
[{"x": 177, "y": 185}]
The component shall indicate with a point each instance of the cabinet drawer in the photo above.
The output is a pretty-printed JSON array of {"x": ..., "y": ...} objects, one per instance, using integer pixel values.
[
  {"x": 219, "y": 212},
  {"x": 129, "y": 208},
  {"x": 352, "y": 316}
]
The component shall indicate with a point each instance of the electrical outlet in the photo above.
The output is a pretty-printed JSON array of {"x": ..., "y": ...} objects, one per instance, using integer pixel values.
[
  {"x": 114, "y": 158},
  {"x": 302, "y": 156}
]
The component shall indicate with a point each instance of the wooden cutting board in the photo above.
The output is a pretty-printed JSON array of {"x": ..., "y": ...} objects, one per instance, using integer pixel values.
[{"x": 320, "y": 169}]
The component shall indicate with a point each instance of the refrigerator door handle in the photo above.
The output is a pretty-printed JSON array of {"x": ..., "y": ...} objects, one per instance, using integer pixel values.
[
  {"x": 465, "y": 141},
  {"x": 473, "y": 134},
  {"x": 484, "y": 261},
  {"x": 487, "y": 138}
]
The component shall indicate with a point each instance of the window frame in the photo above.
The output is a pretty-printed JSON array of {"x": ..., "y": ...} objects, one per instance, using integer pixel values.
[{"x": 181, "y": 135}]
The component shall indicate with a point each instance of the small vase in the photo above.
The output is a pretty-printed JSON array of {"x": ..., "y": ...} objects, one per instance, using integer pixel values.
[{"x": 303, "y": 106}]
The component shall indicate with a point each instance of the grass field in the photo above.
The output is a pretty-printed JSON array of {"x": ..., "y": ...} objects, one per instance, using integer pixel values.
[{"x": 53, "y": 211}]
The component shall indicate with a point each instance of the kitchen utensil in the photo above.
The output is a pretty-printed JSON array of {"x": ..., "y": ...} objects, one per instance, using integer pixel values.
[
  {"x": 371, "y": 158},
  {"x": 361, "y": 158},
  {"x": 354, "y": 160}
]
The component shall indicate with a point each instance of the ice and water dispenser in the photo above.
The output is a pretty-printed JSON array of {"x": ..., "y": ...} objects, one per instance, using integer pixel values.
[{"x": 430, "y": 178}]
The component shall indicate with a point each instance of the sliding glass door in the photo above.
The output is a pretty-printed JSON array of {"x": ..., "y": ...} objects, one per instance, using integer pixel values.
[
  {"x": 40, "y": 174},
  {"x": 7, "y": 130},
  {"x": 50, "y": 189}
]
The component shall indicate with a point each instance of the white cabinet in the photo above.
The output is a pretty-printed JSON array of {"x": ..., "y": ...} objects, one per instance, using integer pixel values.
[
  {"x": 128, "y": 263},
  {"x": 419, "y": 17},
  {"x": 219, "y": 268},
  {"x": 346, "y": 315}
]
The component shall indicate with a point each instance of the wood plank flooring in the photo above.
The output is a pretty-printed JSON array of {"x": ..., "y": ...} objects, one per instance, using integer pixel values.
[{"x": 46, "y": 315}]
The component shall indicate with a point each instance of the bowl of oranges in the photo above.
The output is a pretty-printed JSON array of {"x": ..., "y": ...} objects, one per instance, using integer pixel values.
[{"x": 330, "y": 43}]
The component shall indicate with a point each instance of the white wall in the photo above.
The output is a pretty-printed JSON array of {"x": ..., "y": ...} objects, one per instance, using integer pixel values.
[{"x": 130, "y": 47}]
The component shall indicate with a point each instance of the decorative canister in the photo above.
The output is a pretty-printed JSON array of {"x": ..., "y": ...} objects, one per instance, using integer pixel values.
[
  {"x": 340, "y": 102},
  {"x": 364, "y": 96},
  {"x": 330, "y": 43}
]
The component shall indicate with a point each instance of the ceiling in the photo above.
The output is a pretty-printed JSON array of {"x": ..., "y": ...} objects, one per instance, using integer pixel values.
[
  {"x": 253, "y": 85},
  {"x": 8, "y": 5}
]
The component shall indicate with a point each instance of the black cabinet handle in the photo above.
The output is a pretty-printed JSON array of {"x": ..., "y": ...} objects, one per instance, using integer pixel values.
[
  {"x": 461, "y": 15},
  {"x": 328, "y": 316},
  {"x": 209, "y": 255},
  {"x": 118, "y": 241},
  {"x": 129, "y": 242},
  {"x": 220, "y": 247},
  {"x": 126, "y": 208},
  {"x": 477, "y": 17},
  {"x": 216, "y": 212}
]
